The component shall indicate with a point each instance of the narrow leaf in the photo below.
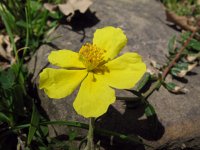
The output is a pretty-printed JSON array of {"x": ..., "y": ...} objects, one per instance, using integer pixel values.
[
  {"x": 146, "y": 77},
  {"x": 4, "y": 118},
  {"x": 174, "y": 71},
  {"x": 172, "y": 87},
  {"x": 34, "y": 124},
  {"x": 192, "y": 57},
  {"x": 149, "y": 110},
  {"x": 182, "y": 65},
  {"x": 8, "y": 29},
  {"x": 171, "y": 45},
  {"x": 7, "y": 79}
]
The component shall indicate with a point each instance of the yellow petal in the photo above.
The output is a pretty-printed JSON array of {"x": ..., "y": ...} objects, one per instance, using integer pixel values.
[
  {"x": 59, "y": 83},
  {"x": 125, "y": 71},
  {"x": 94, "y": 97},
  {"x": 65, "y": 59},
  {"x": 111, "y": 39}
]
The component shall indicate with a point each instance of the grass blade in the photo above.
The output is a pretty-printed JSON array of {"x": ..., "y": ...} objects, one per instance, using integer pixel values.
[
  {"x": 8, "y": 29},
  {"x": 34, "y": 124}
]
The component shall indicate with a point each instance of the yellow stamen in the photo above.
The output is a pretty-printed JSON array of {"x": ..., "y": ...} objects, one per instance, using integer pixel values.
[{"x": 91, "y": 56}]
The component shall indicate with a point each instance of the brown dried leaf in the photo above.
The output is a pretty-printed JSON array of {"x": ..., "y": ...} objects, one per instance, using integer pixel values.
[
  {"x": 9, "y": 48},
  {"x": 4, "y": 65},
  {"x": 178, "y": 89},
  {"x": 6, "y": 53},
  {"x": 66, "y": 9},
  {"x": 70, "y": 6},
  {"x": 2, "y": 50},
  {"x": 181, "y": 21},
  {"x": 81, "y": 5},
  {"x": 193, "y": 57},
  {"x": 50, "y": 7}
]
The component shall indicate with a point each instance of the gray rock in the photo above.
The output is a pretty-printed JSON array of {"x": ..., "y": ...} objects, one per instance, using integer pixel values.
[{"x": 143, "y": 21}]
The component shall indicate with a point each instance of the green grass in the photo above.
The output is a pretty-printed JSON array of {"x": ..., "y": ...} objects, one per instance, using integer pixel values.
[
  {"x": 183, "y": 7},
  {"x": 28, "y": 21}
]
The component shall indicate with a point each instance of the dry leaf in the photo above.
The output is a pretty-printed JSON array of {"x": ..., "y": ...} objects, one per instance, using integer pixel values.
[
  {"x": 70, "y": 6},
  {"x": 66, "y": 9},
  {"x": 6, "y": 52},
  {"x": 2, "y": 50},
  {"x": 178, "y": 89},
  {"x": 182, "y": 73},
  {"x": 50, "y": 7},
  {"x": 181, "y": 21},
  {"x": 191, "y": 58}
]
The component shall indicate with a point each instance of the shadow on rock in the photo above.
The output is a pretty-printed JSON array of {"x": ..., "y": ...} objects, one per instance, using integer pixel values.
[
  {"x": 81, "y": 21},
  {"x": 133, "y": 123}
]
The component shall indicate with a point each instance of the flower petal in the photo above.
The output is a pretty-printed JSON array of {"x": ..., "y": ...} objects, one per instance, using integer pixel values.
[
  {"x": 65, "y": 59},
  {"x": 59, "y": 83},
  {"x": 125, "y": 71},
  {"x": 93, "y": 98},
  {"x": 111, "y": 39}
]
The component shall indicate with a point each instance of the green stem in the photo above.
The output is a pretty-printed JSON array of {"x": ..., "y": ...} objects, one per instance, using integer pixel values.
[
  {"x": 90, "y": 143},
  {"x": 100, "y": 131},
  {"x": 153, "y": 87}
]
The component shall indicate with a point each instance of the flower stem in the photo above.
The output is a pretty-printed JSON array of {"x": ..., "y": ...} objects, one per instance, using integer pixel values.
[{"x": 90, "y": 143}]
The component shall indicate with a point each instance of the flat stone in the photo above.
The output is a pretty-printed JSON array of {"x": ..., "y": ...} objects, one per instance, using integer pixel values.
[{"x": 143, "y": 21}]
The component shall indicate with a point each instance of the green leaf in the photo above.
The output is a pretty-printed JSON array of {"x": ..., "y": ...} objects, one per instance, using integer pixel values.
[
  {"x": 171, "y": 45},
  {"x": 146, "y": 77},
  {"x": 43, "y": 130},
  {"x": 7, "y": 79},
  {"x": 4, "y": 118},
  {"x": 55, "y": 15},
  {"x": 18, "y": 101},
  {"x": 42, "y": 148},
  {"x": 72, "y": 135},
  {"x": 149, "y": 110},
  {"x": 21, "y": 23},
  {"x": 182, "y": 65},
  {"x": 35, "y": 6},
  {"x": 9, "y": 31},
  {"x": 34, "y": 124},
  {"x": 194, "y": 44},
  {"x": 170, "y": 86},
  {"x": 192, "y": 57},
  {"x": 10, "y": 19},
  {"x": 175, "y": 71}
]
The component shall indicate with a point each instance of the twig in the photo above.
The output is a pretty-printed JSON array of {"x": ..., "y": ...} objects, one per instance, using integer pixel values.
[
  {"x": 173, "y": 62},
  {"x": 157, "y": 84}
]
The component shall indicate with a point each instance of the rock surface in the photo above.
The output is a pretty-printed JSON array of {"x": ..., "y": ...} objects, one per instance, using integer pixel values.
[{"x": 143, "y": 21}]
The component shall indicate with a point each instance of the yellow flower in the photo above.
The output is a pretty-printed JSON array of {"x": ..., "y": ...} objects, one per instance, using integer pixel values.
[{"x": 95, "y": 70}]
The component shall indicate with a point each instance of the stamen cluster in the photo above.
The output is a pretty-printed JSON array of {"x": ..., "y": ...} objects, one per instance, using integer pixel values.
[{"x": 91, "y": 56}]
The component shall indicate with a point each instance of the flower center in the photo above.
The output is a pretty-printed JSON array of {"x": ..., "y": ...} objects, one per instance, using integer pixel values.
[{"x": 91, "y": 56}]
